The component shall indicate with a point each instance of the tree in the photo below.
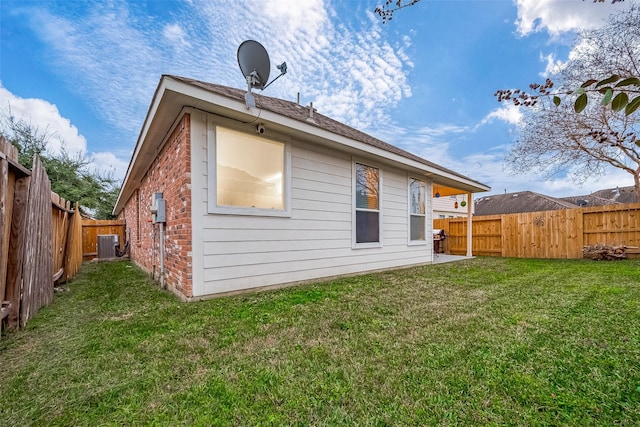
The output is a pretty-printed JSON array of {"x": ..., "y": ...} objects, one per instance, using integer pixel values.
[
  {"x": 618, "y": 92},
  {"x": 390, "y": 6},
  {"x": 70, "y": 174},
  {"x": 386, "y": 11},
  {"x": 584, "y": 138}
]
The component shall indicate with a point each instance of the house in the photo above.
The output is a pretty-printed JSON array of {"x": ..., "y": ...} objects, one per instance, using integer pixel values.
[
  {"x": 454, "y": 206},
  {"x": 529, "y": 201},
  {"x": 589, "y": 200},
  {"x": 270, "y": 195},
  {"x": 618, "y": 194},
  {"x": 522, "y": 201}
]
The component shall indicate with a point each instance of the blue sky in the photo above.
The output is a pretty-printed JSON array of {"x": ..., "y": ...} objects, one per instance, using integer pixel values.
[{"x": 86, "y": 70}]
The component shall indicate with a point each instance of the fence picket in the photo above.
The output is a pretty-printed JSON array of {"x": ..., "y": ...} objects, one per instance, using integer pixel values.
[{"x": 35, "y": 232}]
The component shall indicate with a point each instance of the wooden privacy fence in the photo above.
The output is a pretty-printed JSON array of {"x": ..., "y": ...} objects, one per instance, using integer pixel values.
[
  {"x": 93, "y": 228},
  {"x": 41, "y": 240},
  {"x": 548, "y": 234}
]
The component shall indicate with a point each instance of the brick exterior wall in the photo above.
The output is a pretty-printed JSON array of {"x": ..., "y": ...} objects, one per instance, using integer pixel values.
[{"x": 170, "y": 173}]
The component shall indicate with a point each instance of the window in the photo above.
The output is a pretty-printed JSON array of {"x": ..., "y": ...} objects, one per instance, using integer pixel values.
[
  {"x": 367, "y": 204},
  {"x": 249, "y": 174},
  {"x": 417, "y": 191}
]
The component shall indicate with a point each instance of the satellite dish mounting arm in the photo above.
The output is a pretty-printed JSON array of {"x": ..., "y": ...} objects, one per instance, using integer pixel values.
[{"x": 283, "y": 70}]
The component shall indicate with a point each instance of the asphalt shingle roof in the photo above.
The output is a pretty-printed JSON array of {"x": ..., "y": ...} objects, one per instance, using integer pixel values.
[
  {"x": 301, "y": 113},
  {"x": 529, "y": 201},
  {"x": 590, "y": 199},
  {"x": 523, "y": 201},
  {"x": 619, "y": 194}
]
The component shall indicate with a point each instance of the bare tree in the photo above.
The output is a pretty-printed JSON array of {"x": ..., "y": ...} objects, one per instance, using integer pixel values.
[
  {"x": 555, "y": 137},
  {"x": 386, "y": 11}
]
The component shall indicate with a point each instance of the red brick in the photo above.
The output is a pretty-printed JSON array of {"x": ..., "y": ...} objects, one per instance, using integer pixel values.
[{"x": 169, "y": 173}]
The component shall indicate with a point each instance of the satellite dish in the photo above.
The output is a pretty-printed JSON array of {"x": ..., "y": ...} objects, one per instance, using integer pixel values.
[{"x": 254, "y": 63}]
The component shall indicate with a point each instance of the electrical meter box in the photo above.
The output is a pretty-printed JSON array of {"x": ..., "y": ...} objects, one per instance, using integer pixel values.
[
  {"x": 158, "y": 208},
  {"x": 161, "y": 215}
]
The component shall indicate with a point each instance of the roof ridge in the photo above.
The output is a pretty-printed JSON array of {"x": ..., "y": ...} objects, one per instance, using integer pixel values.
[{"x": 558, "y": 200}]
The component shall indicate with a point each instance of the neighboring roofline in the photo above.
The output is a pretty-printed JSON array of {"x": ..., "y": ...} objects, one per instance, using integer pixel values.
[
  {"x": 500, "y": 201},
  {"x": 173, "y": 94},
  {"x": 602, "y": 200},
  {"x": 564, "y": 203}
]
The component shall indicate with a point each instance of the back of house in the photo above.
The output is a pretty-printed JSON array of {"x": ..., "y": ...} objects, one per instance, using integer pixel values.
[{"x": 270, "y": 195}]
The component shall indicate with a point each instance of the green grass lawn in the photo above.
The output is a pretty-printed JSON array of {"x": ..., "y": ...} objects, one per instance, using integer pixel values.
[{"x": 487, "y": 341}]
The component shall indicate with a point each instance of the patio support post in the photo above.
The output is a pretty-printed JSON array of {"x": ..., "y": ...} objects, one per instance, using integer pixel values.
[{"x": 469, "y": 224}]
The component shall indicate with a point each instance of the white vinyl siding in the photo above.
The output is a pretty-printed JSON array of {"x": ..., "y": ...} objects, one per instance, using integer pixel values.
[
  {"x": 444, "y": 207},
  {"x": 316, "y": 241}
]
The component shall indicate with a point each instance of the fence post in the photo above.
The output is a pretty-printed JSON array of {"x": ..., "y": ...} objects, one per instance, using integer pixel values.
[
  {"x": 469, "y": 227},
  {"x": 580, "y": 232},
  {"x": 5, "y": 217}
]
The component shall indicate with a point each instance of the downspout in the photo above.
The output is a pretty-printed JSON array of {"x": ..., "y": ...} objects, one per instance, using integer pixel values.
[
  {"x": 159, "y": 216},
  {"x": 161, "y": 254}
]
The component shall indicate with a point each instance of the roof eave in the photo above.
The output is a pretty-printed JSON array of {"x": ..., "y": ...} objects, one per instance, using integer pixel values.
[{"x": 173, "y": 95}]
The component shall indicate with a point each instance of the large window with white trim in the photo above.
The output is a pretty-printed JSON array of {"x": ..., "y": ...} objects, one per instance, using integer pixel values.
[
  {"x": 367, "y": 190},
  {"x": 250, "y": 173},
  {"x": 417, "y": 210}
]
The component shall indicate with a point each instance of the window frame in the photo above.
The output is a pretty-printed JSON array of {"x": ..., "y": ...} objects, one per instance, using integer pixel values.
[
  {"x": 411, "y": 242},
  {"x": 212, "y": 191},
  {"x": 355, "y": 209}
]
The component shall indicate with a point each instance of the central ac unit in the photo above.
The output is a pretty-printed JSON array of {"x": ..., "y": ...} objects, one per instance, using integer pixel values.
[{"x": 107, "y": 245}]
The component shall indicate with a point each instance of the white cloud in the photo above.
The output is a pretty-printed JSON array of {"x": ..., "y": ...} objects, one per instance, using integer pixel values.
[
  {"x": 107, "y": 163},
  {"x": 429, "y": 142},
  {"x": 350, "y": 74},
  {"x": 109, "y": 62},
  {"x": 47, "y": 118},
  {"x": 557, "y": 17},
  {"x": 489, "y": 168},
  {"x": 176, "y": 35},
  {"x": 508, "y": 113},
  {"x": 293, "y": 15},
  {"x": 553, "y": 65}
]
